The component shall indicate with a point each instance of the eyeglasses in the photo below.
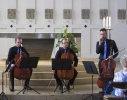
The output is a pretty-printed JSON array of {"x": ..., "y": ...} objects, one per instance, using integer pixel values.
[
  {"x": 65, "y": 43},
  {"x": 18, "y": 42}
]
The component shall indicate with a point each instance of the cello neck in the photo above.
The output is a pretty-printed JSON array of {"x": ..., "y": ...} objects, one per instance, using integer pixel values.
[
  {"x": 111, "y": 46},
  {"x": 68, "y": 52},
  {"x": 116, "y": 53}
]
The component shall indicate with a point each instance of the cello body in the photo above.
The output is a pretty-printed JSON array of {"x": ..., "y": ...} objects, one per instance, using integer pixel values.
[
  {"x": 108, "y": 67},
  {"x": 21, "y": 73},
  {"x": 107, "y": 74},
  {"x": 101, "y": 83},
  {"x": 66, "y": 74}
]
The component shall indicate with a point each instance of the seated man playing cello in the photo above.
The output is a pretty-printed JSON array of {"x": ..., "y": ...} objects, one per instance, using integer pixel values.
[
  {"x": 11, "y": 63},
  {"x": 64, "y": 49}
]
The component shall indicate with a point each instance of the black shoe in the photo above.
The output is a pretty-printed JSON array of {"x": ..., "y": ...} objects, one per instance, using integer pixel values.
[
  {"x": 61, "y": 88},
  {"x": 12, "y": 89},
  {"x": 27, "y": 87},
  {"x": 68, "y": 87}
]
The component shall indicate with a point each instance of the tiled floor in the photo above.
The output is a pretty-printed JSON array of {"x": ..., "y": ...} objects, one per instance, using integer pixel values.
[{"x": 80, "y": 92}]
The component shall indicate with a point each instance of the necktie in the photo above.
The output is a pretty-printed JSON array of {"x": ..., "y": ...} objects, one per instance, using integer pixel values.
[
  {"x": 105, "y": 49},
  {"x": 18, "y": 50},
  {"x": 64, "y": 50}
]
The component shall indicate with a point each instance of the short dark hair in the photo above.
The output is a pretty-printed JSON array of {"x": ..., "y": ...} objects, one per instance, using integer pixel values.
[
  {"x": 64, "y": 39},
  {"x": 103, "y": 29},
  {"x": 17, "y": 38}
]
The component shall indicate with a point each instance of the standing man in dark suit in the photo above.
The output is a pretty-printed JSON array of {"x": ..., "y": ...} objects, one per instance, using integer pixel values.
[
  {"x": 11, "y": 55},
  {"x": 103, "y": 47}
]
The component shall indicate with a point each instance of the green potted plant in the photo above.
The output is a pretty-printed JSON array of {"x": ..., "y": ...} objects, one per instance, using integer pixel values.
[{"x": 64, "y": 34}]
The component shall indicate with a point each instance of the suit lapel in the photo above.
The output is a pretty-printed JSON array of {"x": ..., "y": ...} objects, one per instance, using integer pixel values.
[{"x": 107, "y": 44}]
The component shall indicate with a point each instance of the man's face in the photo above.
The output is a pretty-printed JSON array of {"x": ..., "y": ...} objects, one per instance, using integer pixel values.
[
  {"x": 103, "y": 35},
  {"x": 65, "y": 44},
  {"x": 18, "y": 42}
]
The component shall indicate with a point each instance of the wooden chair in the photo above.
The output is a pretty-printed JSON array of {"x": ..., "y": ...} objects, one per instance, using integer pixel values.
[{"x": 121, "y": 85}]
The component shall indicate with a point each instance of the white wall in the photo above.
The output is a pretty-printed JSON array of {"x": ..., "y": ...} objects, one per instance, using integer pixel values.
[
  {"x": 5, "y": 44},
  {"x": 89, "y": 35}
]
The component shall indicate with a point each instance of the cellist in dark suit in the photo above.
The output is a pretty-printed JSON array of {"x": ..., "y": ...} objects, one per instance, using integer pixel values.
[
  {"x": 103, "y": 48},
  {"x": 65, "y": 44},
  {"x": 11, "y": 55}
]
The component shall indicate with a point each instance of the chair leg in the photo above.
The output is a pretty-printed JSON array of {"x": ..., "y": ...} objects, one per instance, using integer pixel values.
[
  {"x": 6, "y": 73},
  {"x": 21, "y": 83},
  {"x": 73, "y": 86},
  {"x": 9, "y": 79},
  {"x": 6, "y": 80},
  {"x": 55, "y": 83}
]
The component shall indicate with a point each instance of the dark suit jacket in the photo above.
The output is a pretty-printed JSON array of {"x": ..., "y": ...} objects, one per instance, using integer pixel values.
[
  {"x": 13, "y": 51},
  {"x": 100, "y": 49}
]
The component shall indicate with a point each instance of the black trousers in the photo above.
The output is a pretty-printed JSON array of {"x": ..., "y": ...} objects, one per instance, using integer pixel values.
[
  {"x": 99, "y": 65},
  {"x": 12, "y": 78},
  {"x": 71, "y": 81}
]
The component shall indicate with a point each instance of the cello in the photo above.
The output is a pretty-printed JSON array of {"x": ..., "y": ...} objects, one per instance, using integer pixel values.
[
  {"x": 66, "y": 74},
  {"x": 23, "y": 73},
  {"x": 19, "y": 73}
]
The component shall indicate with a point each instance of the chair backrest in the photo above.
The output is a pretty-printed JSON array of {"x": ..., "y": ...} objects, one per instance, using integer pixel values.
[
  {"x": 125, "y": 92},
  {"x": 121, "y": 85}
]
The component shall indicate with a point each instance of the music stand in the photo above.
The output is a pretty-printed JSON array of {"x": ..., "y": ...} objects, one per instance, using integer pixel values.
[
  {"x": 90, "y": 69},
  {"x": 28, "y": 62},
  {"x": 61, "y": 64}
]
